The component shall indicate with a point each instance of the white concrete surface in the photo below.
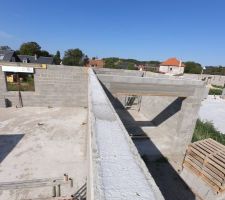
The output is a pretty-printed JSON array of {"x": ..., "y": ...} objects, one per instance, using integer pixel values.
[
  {"x": 120, "y": 175},
  {"x": 45, "y": 151},
  {"x": 213, "y": 110}
]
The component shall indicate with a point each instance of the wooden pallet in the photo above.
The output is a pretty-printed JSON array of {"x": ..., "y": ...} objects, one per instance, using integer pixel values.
[{"x": 206, "y": 158}]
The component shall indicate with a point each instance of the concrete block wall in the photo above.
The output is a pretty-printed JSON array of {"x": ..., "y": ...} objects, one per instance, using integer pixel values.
[
  {"x": 2, "y": 88},
  {"x": 209, "y": 79},
  {"x": 57, "y": 85}
]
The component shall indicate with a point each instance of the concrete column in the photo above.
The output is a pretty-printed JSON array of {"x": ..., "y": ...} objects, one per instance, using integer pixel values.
[{"x": 186, "y": 125}]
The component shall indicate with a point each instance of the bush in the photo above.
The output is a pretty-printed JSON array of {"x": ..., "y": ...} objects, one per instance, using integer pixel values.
[
  {"x": 204, "y": 130},
  {"x": 215, "y": 91},
  {"x": 218, "y": 86}
]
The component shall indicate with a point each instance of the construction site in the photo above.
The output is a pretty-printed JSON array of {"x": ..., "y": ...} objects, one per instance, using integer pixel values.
[{"x": 103, "y": 134}]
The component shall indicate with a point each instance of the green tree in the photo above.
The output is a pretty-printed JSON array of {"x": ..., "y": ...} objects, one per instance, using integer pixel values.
[
  {"x": 57, "y": 58},
  {"x": 30, "y": 48},
  {"x": 215, "y": 70},
  {"x": 192, "y": 68},
  {"x": 131, "y": 66},
  {"x": 44, "y": 53},
  {"x": 73, "y": 57},
  {"x": 111, "y": 62}
]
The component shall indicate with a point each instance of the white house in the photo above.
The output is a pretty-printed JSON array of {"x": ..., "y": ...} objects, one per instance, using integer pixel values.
[{"x": 172, "y": 66}]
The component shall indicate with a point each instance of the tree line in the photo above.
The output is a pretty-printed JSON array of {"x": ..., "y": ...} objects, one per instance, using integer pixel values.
[{"x": 75, "y": 57}]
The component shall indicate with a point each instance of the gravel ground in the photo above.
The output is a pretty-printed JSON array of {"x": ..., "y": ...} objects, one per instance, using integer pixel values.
[{"x": 214, "y": 110}]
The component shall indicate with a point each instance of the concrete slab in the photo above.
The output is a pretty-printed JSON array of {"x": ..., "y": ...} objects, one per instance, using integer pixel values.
[{"x": 39, "y": 145}]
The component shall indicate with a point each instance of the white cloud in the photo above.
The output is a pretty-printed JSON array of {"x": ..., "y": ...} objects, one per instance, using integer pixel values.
[{"x": 5, "y": 35}]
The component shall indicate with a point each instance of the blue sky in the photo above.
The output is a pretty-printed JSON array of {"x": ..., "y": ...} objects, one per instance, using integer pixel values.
[{"x": 139, "y": 29}]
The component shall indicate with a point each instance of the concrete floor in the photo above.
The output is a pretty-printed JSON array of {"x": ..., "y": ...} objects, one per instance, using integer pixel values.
[{"x": 39, "y": 145}]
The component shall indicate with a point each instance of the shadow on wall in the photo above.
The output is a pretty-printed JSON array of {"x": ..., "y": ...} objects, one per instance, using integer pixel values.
[
  {"x": 168, "y": 112},
  {"x": 7, "y": 143},
  {"x": 167, "y": 179}
]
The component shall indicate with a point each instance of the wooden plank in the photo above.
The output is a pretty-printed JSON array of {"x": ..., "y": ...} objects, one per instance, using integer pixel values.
[
  {"x": 199, "y": 153},
  {"x": 203, "y": 149},
  {"x": 199, "y": 168},
  {"x": 200, "y": 150},
  {"x": 218, "y": 149},
  {"x": 222, "y": 155},
  {"x": 188, "y": 165},
  {"x": 197, "y": 157},
  {"x": 200, "y": 164},
  {"x": 212, "y": 179},
  {"x": 213, "y": 174},
  {"x": 214, "y": 149},
  {"x": 215, "y": 187},
  {"x": 214, "y": 169},
  {"x": 214, "y": 164},
  {"x": 217, "y": 160},
  {"x": 212, "y": 145},
  {"x": 206, "y": 148},
  {"x": 221, "y": 146}
]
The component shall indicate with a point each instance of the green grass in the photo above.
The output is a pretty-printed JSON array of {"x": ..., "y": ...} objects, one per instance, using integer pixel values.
[
  {"x": 25, "y": 86},
  {"x": 204, "y": 130},
  {"x": 218, "y": 86},
  {"x": 215, "y": 91}
]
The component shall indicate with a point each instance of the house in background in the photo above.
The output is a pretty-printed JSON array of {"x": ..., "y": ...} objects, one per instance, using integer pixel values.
[
  {"x": 95, "y": 63},
  {"x": 11, "y": 56},
  {"x": 172, "y": 66},
  {"x": 35, "y": 59},
  {"x": 8, "y": 56}
]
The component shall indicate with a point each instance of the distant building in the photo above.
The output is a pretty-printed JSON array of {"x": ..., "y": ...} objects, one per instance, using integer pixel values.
[
  {"x": 172, "y": 66},
  {"x": 35, "y": 59},
  {"x": 8, "y": 56},
  {"x": 95, "y": 63},
  {"x": 140, "y": 67},
  {"x": 11, "y": 56}
]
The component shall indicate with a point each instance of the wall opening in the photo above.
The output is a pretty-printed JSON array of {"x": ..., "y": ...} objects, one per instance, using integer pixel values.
[{"x": 19, "y": 81}]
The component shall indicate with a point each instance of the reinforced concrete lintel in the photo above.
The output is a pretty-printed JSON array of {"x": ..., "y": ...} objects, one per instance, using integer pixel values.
[{"x": 145, "y": 86}]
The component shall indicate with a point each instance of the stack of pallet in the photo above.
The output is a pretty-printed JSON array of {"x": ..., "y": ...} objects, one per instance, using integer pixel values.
[{"x": 206, "y": 158}]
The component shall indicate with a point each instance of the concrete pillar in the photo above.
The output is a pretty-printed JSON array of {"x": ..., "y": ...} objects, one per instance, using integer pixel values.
[{"x": 186, "y": 125}]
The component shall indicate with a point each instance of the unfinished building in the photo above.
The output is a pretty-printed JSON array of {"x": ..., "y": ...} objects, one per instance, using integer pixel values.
[{"x": 106, "y": 130}]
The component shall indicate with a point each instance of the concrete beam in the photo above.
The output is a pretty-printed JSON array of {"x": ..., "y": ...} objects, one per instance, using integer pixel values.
[
  {"x": 116, "y": 170},
  {"x": 145, "y": 86}
]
